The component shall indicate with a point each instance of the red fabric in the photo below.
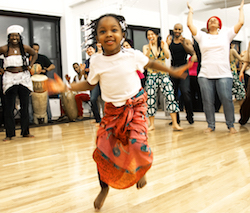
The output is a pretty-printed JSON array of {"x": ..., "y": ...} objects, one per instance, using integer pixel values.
[
  {"x": 79, "y": 99},
  {"x": 192, "y": 71},
  {"x": 62, "y": 111},
  {"x": 122, "y": 154},
  {"x": 141, "y": 75},
  {"x": 220, "y": 22}
]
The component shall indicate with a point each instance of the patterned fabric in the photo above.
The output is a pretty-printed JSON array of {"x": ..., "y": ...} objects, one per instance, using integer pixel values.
[
  {"x": 122, "y": 154},
  {"x": 162, "y": 81},
  {"x": 156, "y": 80},
  {"x": 238, "y": 87},
  {"x": 160, "y": 59}
]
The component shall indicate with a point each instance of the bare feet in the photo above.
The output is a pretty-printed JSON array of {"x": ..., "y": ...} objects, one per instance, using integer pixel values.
[
  {"x": 150, "y": 128},
  {"x": 7, "y": 139},
  {"x": 208, "y": 130},
  {"x": 141, "y": 183},
  {"x": 101, "y": 198},
  {"x": 28, "y": 136},
  {"x": 176, "y": 127},
  {"x": 232, "y": 130}
]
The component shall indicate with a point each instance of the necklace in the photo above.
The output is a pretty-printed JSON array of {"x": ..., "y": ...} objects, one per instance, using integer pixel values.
[{"x": 14, "y": 50}]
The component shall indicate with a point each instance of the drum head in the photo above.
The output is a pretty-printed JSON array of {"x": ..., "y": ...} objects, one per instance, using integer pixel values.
[{"x": 39, "y": 77}]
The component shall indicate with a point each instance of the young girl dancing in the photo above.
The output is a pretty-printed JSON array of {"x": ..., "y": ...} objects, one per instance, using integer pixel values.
[{"x": 122, "y": 155}]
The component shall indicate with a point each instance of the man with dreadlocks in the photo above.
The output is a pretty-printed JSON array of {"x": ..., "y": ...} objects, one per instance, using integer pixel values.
[
  {"x": 122, "y": 155},
  {"x": 16, "y": 80}
]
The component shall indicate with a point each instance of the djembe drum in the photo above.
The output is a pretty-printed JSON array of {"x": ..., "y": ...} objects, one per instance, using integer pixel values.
[
  {"x": 39, "y": 98},
  {"x": 69, "y": 104}
]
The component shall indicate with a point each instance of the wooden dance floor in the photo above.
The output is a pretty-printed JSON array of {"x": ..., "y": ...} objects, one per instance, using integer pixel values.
[{"x": 192, "y": 171}]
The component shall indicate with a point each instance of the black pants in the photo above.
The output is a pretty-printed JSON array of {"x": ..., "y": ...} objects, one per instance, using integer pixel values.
[
  {"x": 245, "y": 107},
  {"x": 195, "y": 94},
  {"x": 10, "y": 99},
  {"x": 184, "y": 86}
]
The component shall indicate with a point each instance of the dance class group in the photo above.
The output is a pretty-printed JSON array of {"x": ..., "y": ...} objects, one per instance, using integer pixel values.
[{"x": 130, "y": 109}]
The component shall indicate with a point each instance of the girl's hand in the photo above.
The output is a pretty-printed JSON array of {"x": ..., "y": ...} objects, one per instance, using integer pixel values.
[
  {"x": 179, "y": 71},
  {"x": 241, "y": 5},
  {"x": 55, "y": 86}
]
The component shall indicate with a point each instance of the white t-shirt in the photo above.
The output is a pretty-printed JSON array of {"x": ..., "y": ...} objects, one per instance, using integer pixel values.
[
  {"x": 215, "y": 54},
  {"x": 117, "y": 74}
]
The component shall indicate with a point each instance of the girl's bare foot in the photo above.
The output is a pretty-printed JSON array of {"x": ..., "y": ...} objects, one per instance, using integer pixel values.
[
  {"x": 141, "y": 183},
  {"x": 101, "y": 198},
  {"x": 150, "y": 128},
  {"x": 232, "y": 130},
  {"x": 208, "y": 130},
  {"x": 176, "y": 127}
]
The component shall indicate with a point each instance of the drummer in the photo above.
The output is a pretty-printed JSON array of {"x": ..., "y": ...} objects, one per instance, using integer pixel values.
[
  {"x": 82, "y": 96},
  {"x": 16, "y": 80},
  {"x": 47, "y": 66}
]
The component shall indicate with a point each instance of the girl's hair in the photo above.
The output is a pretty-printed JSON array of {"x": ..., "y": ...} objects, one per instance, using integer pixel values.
[
  {"x": 24, "y": 57},
  {"x": 94, "y": 25},
  {"x": 156, "y": 32}
]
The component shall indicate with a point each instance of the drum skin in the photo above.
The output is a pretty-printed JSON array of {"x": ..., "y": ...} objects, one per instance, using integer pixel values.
[
  {"x": 39, "y": 103},
  {"x": 69, "y": 104},
  {"x": 36, "y": 69},
  {"x": 39, "y": 82}
]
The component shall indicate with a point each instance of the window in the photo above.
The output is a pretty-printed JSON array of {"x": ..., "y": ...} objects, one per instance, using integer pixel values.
[{"x": 40, "y": 29}]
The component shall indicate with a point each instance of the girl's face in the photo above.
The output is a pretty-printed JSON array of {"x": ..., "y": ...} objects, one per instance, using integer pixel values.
[
  {"x": 126, "y": 45},
  {"x": 151, "y": 36},
  {"x": 14, "y": 38},
  {"x": 213, "y": 22},
  {"x": 109, "y": 34}
]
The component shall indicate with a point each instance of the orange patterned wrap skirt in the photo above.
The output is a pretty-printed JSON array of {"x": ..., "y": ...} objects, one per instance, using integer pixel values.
[{"x": 122, "y": 154}]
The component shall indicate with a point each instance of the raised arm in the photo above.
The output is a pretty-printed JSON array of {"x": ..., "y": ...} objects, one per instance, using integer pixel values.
[
  {"x": 177, "y": 72},
  {"x": 190, "y": 24},
  {"x": 240, "y": 23}
]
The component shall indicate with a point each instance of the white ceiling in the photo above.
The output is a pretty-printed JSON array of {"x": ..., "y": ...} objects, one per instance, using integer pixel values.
[{"x": 202, "y": 8}]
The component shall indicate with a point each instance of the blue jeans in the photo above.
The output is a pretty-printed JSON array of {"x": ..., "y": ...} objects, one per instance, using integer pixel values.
[
  {"x": 94, "y": 94},
  {"x": 223, "y": 86}
]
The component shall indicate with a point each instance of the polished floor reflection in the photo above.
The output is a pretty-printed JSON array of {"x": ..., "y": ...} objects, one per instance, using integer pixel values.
[{"x": 192, "y": 171}]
